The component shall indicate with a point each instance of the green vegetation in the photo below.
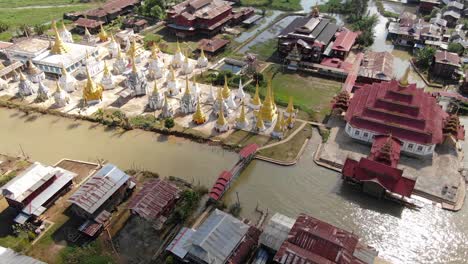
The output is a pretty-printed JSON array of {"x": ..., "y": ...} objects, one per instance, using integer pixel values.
[
  {"x": 264, "y": 50},
  {"x": 89, "y": 254},
  {"x": 19, "y": 18},
  {"x": 288, "y": 150},
  {"x": 167, "y": 42},
  {"x": 144, "y": 121},
  {"x": 169, "y": 123},
  {"x": 153, "y": 8},
  {"x": 21, "y": 238},
  {"x": 424, "y": 57},
  {"x": 311, "y": 94},
  {"x": 456, "y": 47},
  {"x": 187, "y": 204},
  {"x": 24, "y": 3},
  {"x": 285, "y": 5}
]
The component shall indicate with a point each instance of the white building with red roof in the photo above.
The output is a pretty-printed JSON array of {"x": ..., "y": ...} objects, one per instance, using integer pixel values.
[{"x": 400, "y": 109}]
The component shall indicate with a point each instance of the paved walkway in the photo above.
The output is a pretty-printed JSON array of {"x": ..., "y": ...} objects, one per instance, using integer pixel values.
[{"x": 286, "y": 139}]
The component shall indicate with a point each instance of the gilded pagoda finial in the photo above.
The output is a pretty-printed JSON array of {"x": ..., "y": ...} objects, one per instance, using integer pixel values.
[
  {"x": 199, "y": 117},
  {"x": 226, "y": 91},
  {"x": 59, "y": 47},
  {"x": 103, "y": 34},
  {"x": 404, "y": 79},
  {"x": 256, "y": 100},
  {"x": 221, "y": 119}
]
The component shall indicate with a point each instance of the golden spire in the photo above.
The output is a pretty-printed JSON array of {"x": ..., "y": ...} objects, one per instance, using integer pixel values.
[
  {"x": 256, "y": 100},
  {"x": 260, "y": 125},
  {"x": 134, "y": 68},
  {"x": 187, "y": 88},
  {"x": 178, "y": 47},
  {"x": 154, "y": 51},
  {"x": 199, "y": 117},
  {"x": 267, "y": 111},
  {"x": 103, "y": 35},
  {"x": 202, "y": 55},
  {"x": 58, "y": 89},
  {"x": 404, "y": 79},
  {"x": 290, "y": 108},
  {"x": 91, "y": 91},
  {"x": 133, "y": 48},
  {"x": 242, "y": 118},
  {"x": 112, "y": 38},
  {"x": 119, "y": 53},
  {"x": 58, "y": 47},
  {"x": 155, "y": 88},
  {"x": 86, "y": 32},
  {"x": 290, "y": 121},
  {"x": 106, "y": 69},
  {"x": 2, "y": 66},
  {"x": 64, "y": 28},
  {"x": 273, "y": 99},
  {"x": 226, "y": 91},
  {"x": 279, "y": 124},
  {"x": 221, "y": 119},
  {"x": 172, "y": 73}
]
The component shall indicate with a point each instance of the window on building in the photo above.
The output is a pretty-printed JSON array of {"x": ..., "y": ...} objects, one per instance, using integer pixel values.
[
  {"x": 356, "y": 132},
  {"x": 366, "y": 134},
  {"x": 420, "y": 148},
  {"x": 410, "y": 146}
]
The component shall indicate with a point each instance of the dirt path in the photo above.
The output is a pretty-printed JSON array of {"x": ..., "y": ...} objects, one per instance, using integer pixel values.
[{"x": 286, "y": 139}]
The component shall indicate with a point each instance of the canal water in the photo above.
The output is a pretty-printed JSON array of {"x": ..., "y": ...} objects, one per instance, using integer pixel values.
[{"x": 430, "y": 235}]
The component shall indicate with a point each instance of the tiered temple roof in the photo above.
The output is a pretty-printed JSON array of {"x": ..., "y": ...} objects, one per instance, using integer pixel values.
[{"x": 405, "y": 111}]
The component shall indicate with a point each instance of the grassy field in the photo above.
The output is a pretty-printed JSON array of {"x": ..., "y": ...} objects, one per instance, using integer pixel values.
[
  {"x": 286, "y": 5},
  {"x": 310, "y": 93},
  {"x": 289, "y": 150},
  {"x": 32, "y": 16},
  {"x": 266, "y": 50}
]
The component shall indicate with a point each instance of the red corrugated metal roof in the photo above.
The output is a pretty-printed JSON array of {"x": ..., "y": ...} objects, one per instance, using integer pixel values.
[
  {"x": 407, "y": 113},
  {"x": 220, "y": 185},
  {"x": 154, "y": 198},
  {"x": 345, "y": 40},
  {"x": 88, "y": 23},
  {"x": 313, "y": 241}
]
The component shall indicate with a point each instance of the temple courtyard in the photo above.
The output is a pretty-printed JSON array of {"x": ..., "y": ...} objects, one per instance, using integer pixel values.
[{"x": 437, "y": 179}]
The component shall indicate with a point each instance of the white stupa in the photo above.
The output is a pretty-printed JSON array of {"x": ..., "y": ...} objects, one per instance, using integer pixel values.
[
  {"x": 241, "y": 121},
  {"x": 167, "y": 110},
  {"x": 240, "y": 92},
  {"x": 178, "y": 58},
  {"x": 113, "y": 47},
  {"x": 67, "y": 81},
  {"x": 25, "y": 87},
  {"x": 202, "y": 61},
  {"x": 88, "y": 38},
  {"x": 220, "y": 103},
  {"x": 60, "y": 97},
  {"x": 92, "y": 65},
  {"x": 107, "y": 80},
  {"x": 228, "y": 96},
  {"x": 3, "y": 84},
  {"x": 121, "y": 63},
  {"x": 42, "y": 92},
  {"x": 155, "y": 99},
  {"x": 136, "y": 81},
  {"x": 34, "y": 73},
  {"x": 211, "y": 95},
  {"x": 173, "y": 86},
  {"x": 187, "y": 67},
  {"x": 188, "y": 103},
  {"x": 65, "y": 34},
  {"x": 221, "y": 124},
  {"x": 195, "y": 89},
  {"x": 156, "y": 65}
]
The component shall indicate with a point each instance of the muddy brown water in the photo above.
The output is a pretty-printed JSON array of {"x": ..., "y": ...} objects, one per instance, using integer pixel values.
[{"x": 429, "y": 235}]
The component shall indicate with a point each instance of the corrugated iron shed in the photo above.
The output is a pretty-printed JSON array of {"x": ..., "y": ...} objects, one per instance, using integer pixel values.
[
  {"x": 276, "y": 231},
  {"x": 179, "y": 246},
  {"x": 217, "y": 237},
  {"x": 97, "y": 189},
  {"x": 154, "y": 198},
  {"x": 8, "y": 256}
]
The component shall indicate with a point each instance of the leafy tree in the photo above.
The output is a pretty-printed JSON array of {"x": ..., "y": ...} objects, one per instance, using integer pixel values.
[
  {"x": 170, "y": 260},
  {"x": 3, "y": 27},
  {"x": 40, "y": 29},
  {"x": 25, "y": 30},
  {"x": 153, "y": 8},
  {"x": 157, "y": 11},
  {"x": 456, "y": 48},
  {"x": 99, "y": 114},
  {"x": 424, "y": 57},
  {"x": 169, "y": 123}
]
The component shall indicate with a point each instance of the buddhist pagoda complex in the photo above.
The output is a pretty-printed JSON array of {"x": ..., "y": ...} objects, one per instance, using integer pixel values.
[
  {"x": 107, "y": 80},
  {"x": 67, "y": 81},
  {"x": 135, "y": 51},
  {"x": 35, "y": 75},
  {"x": 406, "y": 112},
  {"x": 290, "y": 108},
  {"x": 60, "y": 97},
  {"x": 121, "y": 63},
  {"x": 199, "y": 117},
  {"x": 188, "y": 103},
  {"x": 155, "y": 99},
  {"x": 202, "y": 61},
  {"x": 173, "y": 86},
  {"x": 136, "y": 81},
  {"x": 178, "y": 58},
  {"x": 92, "y": 92},
  {"x": 25, "y": 87},
  {"x": 241, "y": 121},
  {"x": 65, "y": 34},
  {"x": 42, "y": 92}
]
